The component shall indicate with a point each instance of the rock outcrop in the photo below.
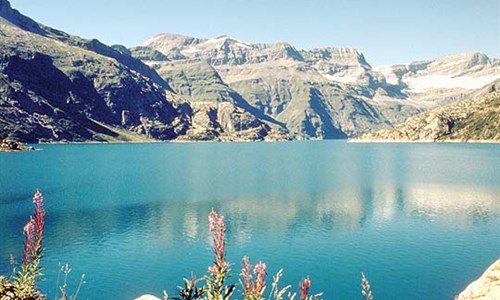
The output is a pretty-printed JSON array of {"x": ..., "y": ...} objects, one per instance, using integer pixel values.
[
  {"x": 8, "y": 145},
  {"x": 476, "y": 119},
  {"x": 147, "y": 297},
  {"x": 486, "y": 287},
  {"x": 224, "y": 121}
]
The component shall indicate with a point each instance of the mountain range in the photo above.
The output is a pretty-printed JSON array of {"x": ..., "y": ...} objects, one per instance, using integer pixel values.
[
  {"x": 320, "y": 93},
  {"x": 59, "y": 87}
]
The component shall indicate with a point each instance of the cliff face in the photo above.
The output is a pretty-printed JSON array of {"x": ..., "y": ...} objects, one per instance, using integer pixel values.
[{"x": 486, "y": 287}]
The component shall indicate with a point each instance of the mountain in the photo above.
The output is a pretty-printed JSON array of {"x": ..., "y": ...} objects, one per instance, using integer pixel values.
[
  {"x": 59, "y": 87},
  {"x": 448, "y": 75},
  {"x": 319, "y": 93},
  {"x": 475, "y": 119}
]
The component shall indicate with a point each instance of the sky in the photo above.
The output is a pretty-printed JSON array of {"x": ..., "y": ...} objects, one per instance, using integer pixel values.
[{"x": 386, "y": 31}]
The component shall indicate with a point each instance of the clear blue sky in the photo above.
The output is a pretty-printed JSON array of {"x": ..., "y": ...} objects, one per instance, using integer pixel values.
[{"x": 386, "y": 31}]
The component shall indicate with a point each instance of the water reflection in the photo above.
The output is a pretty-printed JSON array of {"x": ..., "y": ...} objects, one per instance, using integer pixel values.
[
  {"x": 162, "y": 223},
  {"x": 328, "y": 209},
  {"x": 341, "y": 211},
  {"x": 454, "y": 206}
]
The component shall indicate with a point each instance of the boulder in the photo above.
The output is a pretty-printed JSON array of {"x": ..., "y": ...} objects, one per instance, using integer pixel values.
[
  {"x": 147, "y": 297},
  {"x": 487, "y": 287}
]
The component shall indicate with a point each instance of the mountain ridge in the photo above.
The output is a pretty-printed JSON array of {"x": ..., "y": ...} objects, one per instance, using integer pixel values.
[
  {"x": 339, "y": 79},
  {"x": 58, "y": 87}
]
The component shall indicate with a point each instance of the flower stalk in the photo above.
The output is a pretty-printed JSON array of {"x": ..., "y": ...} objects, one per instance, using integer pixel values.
[
  {"x": 25, "y": 280},
  {"x": 216, "y": 289},
  {"x": 253, "y": 290}
]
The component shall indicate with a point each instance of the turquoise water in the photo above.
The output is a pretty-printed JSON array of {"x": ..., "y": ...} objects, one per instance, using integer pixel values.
[{"x": 421, "y": 220}]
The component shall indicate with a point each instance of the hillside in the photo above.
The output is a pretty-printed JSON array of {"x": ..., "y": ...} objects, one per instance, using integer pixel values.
[
  {"x": 58, "y": 87},
  {"x": 476, "y": 119}
]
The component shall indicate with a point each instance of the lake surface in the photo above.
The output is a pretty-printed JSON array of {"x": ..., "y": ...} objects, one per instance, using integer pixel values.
[{"x": 421, "y": 220}]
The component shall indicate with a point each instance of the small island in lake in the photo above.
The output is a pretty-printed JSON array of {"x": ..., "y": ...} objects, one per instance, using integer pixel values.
[{"x": 8, "y": 145}]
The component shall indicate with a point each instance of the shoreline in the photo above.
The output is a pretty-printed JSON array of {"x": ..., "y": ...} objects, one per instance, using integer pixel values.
[
  {"x": 383, "y": 141},
  {"x": 12, "y": 146},
  {"x": 24, "y": 147}
]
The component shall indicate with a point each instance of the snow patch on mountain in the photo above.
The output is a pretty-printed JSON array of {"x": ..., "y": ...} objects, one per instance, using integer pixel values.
[
  {"x": 419, "y": 84},
  {"x": 348, "y": 79},
  {"x": 220, "y": 40},
  {"x": 389, "y": 74}
]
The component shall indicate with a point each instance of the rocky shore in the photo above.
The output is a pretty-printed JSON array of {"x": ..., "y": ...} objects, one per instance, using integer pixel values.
[
  {"x": 13, "y": 146},
  {"x": 486, "y": 287}
]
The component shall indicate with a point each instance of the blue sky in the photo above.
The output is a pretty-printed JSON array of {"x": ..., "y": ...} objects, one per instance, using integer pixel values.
[{"x": 386, "y": 31}]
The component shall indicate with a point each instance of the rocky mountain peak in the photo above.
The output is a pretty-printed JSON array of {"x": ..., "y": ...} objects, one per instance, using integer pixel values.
[
  {"x": 471, "y": 63},
  {"x": 222, "y": 42},
  {"x": 468, "y": 70},
  {"x": 226, "y": 39},
  {"x": 283, "y": 50},
  {"x": 221, "y": 50},
  {"x": 170, "y": 39},
  {"x": 171, "y": 44},
  {"x": 4, "y": 5},
  {"x": 344, "y": 56},
  {"x": 471, "y": 57},
  {"x": 13, "y": 17}
]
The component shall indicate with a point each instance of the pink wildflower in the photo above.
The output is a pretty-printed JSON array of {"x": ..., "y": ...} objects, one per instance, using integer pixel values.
[
  {"x": 38, "y": 198},
  {"x": 305, "y": 285},
  {"x": 245, "y": 272},
  {"x": 260, "y": 281},
  {"x": 216, "y": 221},
  {"x": 29, "y": 243},
  {"x": 218, "y": 229},
  {"x": 212, "y": 220},
  {"x": 256, "y": 287},
  {"x": 34, "y": 231},
  {"x": 39, "y": 219},
  {"x": 212, "y": 270}
]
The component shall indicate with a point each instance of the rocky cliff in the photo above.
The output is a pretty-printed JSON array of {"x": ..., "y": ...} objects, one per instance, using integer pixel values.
[{"x": 58, "y": 87}]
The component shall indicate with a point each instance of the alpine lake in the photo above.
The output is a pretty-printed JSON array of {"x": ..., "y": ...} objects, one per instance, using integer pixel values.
[{"x": 420, "y": 220}]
